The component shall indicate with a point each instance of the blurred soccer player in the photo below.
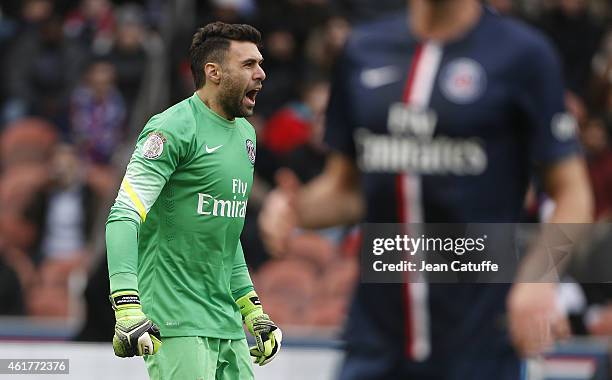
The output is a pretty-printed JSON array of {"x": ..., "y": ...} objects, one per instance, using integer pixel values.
[
  {"x": 440, "y": 116},
  {"x": 173, "y": 234}
]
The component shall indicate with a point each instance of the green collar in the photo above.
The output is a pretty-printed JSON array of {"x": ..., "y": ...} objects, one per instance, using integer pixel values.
[{"x": 201, "y": 106}]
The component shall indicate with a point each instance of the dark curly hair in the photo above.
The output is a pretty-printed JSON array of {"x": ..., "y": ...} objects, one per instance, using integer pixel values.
[{"x": 211, "y": 42}]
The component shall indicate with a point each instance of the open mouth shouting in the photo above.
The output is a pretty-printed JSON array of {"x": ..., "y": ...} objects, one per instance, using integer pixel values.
[{"x": 250, "y": 95}]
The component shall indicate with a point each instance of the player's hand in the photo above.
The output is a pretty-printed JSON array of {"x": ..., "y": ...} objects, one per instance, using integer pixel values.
[
  {"x": 268, "y": 336},
  {"x": 278, "y": 217},
  {"x": 135, "y": 334},
  {"x": 535, "y": 321}
]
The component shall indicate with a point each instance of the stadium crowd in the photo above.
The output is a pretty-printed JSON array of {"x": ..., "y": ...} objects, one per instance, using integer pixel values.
[{"x": 81, "y": 77}]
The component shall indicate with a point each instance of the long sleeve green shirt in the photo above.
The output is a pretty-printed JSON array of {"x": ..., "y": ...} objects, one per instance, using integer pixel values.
[{"x": 173, "y": 233}]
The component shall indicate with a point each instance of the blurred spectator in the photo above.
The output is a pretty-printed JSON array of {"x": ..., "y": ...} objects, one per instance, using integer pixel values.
[
  {"x": 599, "y": 159},
  {"x": 98, "y": 113},
  {"x": 293, "y": 125},
  {"x": 68, "y": 208},
  {"x": 137, "y": 55},
  {"x": 93, "y": 24},
  {"x": 577, "y": 35},
  {"x": 307, "y": 159},
  {"x": 282, "y": 70},
  {"x": 41, "y": 70},
  {"x": 292, "y": 137},
  {"x": 19, "y": 18},
  {"x": 325, "y": 43},
  {"x": 128, "y": 53},
  {"x": 34, "y": 12},
  {"x": 65, "y": 211}
]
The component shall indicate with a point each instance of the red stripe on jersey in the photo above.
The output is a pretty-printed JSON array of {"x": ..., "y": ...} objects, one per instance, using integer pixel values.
[
  {"x": 412, "y": 73},
  {"x": 404, "y": 212},
  {"x": 402, "y": 218}
]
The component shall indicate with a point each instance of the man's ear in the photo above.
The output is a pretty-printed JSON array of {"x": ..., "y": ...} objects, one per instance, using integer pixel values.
[{"x": 212, "y": 72}]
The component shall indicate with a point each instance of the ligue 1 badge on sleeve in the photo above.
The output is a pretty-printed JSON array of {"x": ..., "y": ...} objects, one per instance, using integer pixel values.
[
  {"x": 154, "y": 146},
  {"x": 250, "y": 148}
]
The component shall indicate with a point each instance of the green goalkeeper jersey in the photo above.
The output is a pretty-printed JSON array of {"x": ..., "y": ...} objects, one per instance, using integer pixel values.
[{"x": 173, "y": 232}]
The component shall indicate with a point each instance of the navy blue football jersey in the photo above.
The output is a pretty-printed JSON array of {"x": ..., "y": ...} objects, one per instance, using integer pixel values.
[{"x": 447, "y": 132}]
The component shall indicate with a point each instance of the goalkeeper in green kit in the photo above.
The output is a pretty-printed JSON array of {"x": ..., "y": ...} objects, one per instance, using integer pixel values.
[{"x": 176, "y": 266}]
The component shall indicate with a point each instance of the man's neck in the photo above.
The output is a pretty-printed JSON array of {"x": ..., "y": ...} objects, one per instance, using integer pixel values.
[
  {"x": 211, "y": 102},
  {"x": 443, "y": 20}
]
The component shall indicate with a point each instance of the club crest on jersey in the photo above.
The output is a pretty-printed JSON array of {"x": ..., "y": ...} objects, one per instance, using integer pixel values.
[
  {"x": 463, "y": 81},
  {"x": 153, "y": 146},
  {"x": 250, "y": 148}
]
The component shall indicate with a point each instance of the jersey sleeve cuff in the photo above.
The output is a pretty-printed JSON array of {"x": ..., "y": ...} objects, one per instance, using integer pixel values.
[
  {"x": 239, "y": 293},
  {"x": 123, "y": 281}
]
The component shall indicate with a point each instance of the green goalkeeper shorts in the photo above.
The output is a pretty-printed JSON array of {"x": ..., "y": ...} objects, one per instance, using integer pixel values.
[{"x": 200, "y": 358}]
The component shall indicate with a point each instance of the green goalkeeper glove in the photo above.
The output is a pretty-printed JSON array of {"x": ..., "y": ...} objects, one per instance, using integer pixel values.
[
  {"x": 268, "y": 336},
  {"x": 135, "y": 334}
]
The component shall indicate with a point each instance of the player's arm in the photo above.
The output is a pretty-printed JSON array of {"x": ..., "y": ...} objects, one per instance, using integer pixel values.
[
  {"x": 535, "y": 321},
  {"x": 157, "y": 154},
  {"x": 567, "y": 184},
  {"x": 333, "y": 198},
  {"x": 268, "y": 336},
  {"x": 240, "y": 283},
  {"x": 534, "y": 318}
]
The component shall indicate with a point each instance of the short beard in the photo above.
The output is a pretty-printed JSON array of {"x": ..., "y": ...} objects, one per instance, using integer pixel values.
[{"x": 230, "y": 99}]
